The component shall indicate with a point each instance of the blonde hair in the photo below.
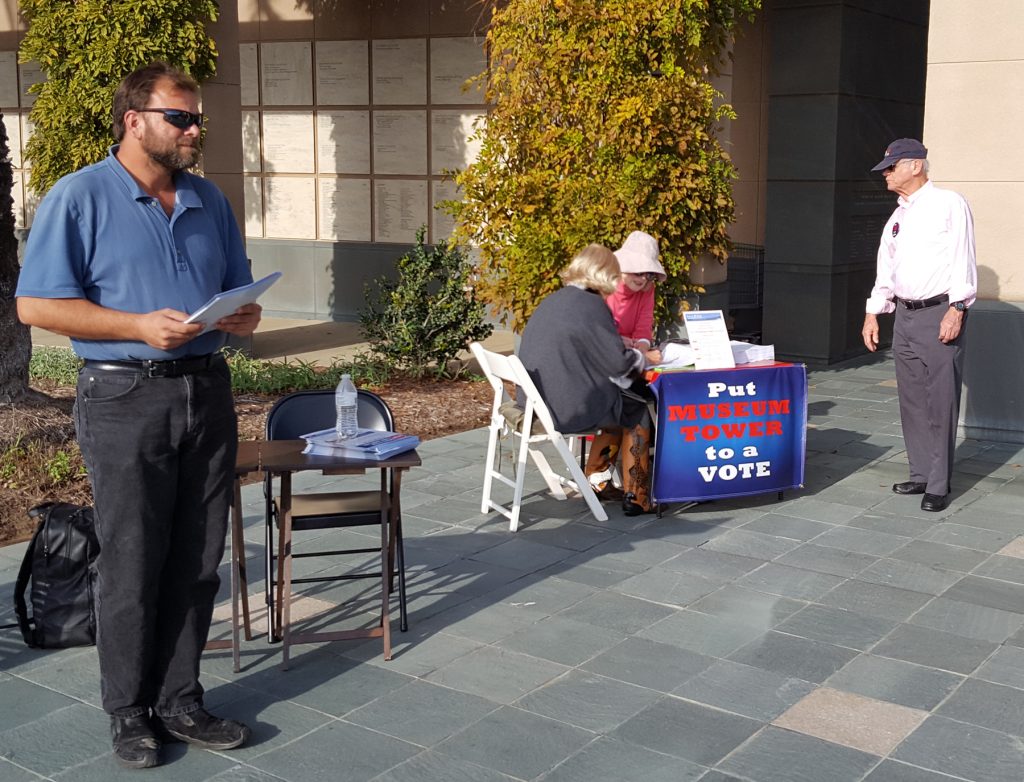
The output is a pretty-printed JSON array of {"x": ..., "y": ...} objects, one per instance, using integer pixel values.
[{"x": 595, "y": 267}]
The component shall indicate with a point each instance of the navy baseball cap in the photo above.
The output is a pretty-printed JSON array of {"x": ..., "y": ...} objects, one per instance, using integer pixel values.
[{"x": 902, "y": 149}]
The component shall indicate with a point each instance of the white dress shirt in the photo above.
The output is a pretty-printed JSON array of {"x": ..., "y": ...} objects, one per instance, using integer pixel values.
[{"x": 927, "y": 249}]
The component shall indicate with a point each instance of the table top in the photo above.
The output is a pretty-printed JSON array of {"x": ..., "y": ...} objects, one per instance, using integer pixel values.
[{"x": 286, "y": 455}]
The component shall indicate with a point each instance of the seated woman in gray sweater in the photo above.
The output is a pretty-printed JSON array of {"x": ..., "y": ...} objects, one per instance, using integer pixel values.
[{"x": 572, "y": 350}]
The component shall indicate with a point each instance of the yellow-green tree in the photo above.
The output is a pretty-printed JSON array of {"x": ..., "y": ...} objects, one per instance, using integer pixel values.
[
  {"x": 86, "y": 48},
  {"x": 602, "y": 123}
]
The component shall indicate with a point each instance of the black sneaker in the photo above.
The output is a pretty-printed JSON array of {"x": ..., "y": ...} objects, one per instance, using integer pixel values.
[
  {"x": 135, "y": 744},
  {"x": 204, "y": 730}
]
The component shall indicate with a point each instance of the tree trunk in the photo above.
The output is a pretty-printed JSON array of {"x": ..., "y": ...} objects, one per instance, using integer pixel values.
[{"x": 15, "y": 340}]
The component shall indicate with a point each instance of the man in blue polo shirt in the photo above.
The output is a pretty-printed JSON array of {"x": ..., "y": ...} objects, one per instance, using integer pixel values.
[{"x": 119, "y": 253}]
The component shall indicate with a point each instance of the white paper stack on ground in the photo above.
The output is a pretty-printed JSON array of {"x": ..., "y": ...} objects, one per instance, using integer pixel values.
[{"x": 745, "y": 353}]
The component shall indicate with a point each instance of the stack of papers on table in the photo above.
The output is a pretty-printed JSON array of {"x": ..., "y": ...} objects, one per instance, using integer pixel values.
[
  {"x": 367, "y": 444},
  {"x": 745, "y": 353},
  {"x": 676, "y": 354}
]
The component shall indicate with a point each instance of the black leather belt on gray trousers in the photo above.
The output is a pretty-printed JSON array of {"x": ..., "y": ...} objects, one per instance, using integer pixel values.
[
  {"x": 921, "y": 304},
  {"x": 175, "y": 367}
]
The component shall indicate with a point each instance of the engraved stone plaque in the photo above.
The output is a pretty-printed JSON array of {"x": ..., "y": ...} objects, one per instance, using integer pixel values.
[
  {"x": 452, "y": 146},
  {"x": 249, "y": 81},
  {"x": 400, "y": 71},
  {"x": 343, "y": 142},
  {"x": 442, "y": 224},
  {"x": 286, "y": 74},
  {"x": 400, "y": 142},
  {"x": 8, "y": 80},
  {"x": 342, "y": 73},
  {"x": 452, "y": 62},
  {"x": 290, "y": 207},
  {"x": 400, "y": 210},
  {"x": 251, "y": 156},
  {"x": 252, "y": 189},
  {"x": 288, "y": 142},
  {"x": 31, "y": 74},
  {"x": 345, "y": 210}
]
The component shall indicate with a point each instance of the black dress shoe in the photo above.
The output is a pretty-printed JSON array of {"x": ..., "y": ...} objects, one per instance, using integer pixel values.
[
  {"x": 201, "y": 728},
  {"x": 631, "y": 508},
  {"x": 909, "y": 487},
  {"x": 934, "y": 502},
  {"x": 135, "y": 744}
]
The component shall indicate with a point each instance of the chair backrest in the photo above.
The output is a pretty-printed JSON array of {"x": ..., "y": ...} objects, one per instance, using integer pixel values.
[
  {"x": 498, "y": 368},
  {"x": 307, "y": 411}
]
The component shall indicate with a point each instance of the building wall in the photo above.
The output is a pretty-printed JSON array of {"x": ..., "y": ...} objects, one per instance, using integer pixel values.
[{"x": 973, "y": 113}]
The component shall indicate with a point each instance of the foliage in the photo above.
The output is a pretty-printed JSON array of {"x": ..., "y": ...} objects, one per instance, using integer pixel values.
[
  {"x": 422, "y": 321},
  {"x": 602, "y": 123},
  {"x": 57, "y": 364},
  {"x": 85, "y": 49},
  {"x": 253, "y": 376},
  {"x": 15, "y": 340}
]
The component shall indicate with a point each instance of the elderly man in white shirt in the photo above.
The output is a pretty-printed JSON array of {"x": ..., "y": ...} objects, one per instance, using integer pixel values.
[{"x": 927, "y": 275}]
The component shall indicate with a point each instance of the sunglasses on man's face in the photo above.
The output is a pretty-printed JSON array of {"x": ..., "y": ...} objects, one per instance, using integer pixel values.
[{"x": 182, "y": 120}]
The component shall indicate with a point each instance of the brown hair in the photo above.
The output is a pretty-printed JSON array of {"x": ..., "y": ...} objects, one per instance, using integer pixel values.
[
  {"x": 594, "y": 267},
  {"x": 133, "y": 93}
]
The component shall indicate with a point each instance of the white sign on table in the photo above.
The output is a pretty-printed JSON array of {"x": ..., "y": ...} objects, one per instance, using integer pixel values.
[{"x": 709, "y": 339}]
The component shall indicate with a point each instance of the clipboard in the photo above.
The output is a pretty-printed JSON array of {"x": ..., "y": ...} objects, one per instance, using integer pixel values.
[{"x": 223, "y": 304}]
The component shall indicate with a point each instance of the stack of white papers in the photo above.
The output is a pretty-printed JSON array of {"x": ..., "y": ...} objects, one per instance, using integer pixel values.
[
  {"x": 745, "y": 353},
  {"x": 674, "y": 354},
  {"x": 367, "y": 444}
]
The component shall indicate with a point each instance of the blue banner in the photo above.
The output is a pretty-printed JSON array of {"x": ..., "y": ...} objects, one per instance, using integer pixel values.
[{"x": 729, "y": 432}]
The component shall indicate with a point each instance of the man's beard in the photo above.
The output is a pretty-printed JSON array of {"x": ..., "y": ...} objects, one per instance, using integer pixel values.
[{"x": 175, "y": 159}]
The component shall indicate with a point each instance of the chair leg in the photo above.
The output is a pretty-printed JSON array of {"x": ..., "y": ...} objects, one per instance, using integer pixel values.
[
  {"x": 582, "y": 483},
  {"x": 284, "y": 562},
  {"x": 492, "y": 447},
  {"x": 517, "y": 495},
  {"x": 550, "y": 476}
]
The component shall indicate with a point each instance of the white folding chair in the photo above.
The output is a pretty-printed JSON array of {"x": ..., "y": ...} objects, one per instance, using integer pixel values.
[{"x": 498, "y": 369}]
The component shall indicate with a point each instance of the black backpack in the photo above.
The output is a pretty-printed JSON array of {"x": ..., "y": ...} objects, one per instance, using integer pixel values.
[{"x": 59, "y": 563}]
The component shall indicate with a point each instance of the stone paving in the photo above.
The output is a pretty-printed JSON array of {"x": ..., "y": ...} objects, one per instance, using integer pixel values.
[{"x": 839, "y": 635}]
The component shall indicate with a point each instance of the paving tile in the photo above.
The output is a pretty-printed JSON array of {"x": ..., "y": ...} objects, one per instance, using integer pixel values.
[
  {"x": 988, "y": 705},
  {"x": 974, "y": 621},
  {"x": 607, "y": 572},
  {"x": 83, "y": 731},
  {"x": 789, "y": 581},
  {"x": 574, "y": 535},
  {"x": 639, "y": 661},
  {"x": 274, "y": 722},
  {"x": 561, "y": 640},
  {"x": 687, "y": 730},
  {"x": 819, "y": 510},
  {"x": 634, "y": 549},
  {"x": 852, "y": 720},
  {"x": 430, "y": 766},
  {"x": 712, "y": 565},
  {"x": 968, "y": 537},
  {"x": 777, "y": 755},
  {"x": 11, "y": 773},
  {"x": 496, "y": 674},
  {"x": 836, "y": 626},
  {"x": 861, "y": 541},
  {"x": 411, "y": 713},
  {"x": 940, "y": 555},
  {"x": 741, "y": 689},
  {"x": 702, "y": 633},
  {"x": 912, "y": 576},
  {"x": 747, "y": 606},
  {"x": 362, "y": 753},
  {"x": 545, "y": 594},
  {"x": 523, "y": 554},
  {"x": 895, "y": 525},
  {"x": 978, "y": 516},
  {"x": 666, "y": 586},
  {"x": 751, "y": 544},
  {"x": 515, "y": 742},
  {"x": 616, "y": 612},
  {"x": 934, "y": 648},
  {"x": 988, "y": 592},
  {"x": 1006, "y": 666},
  {"x": 895, "y": 681},
  {"x": 964, "y": 751},
  {"x": 484, "y": 619},
  {"x": 799, "y": 658},
  {"x": 827, "y": 560},
  {"x": 680, "y": 530},
  {"x": 875, "y": 600},
  {"x": 414, "y": 653},
  {"x": 894, "y": 771},
  {"x": 1003, "y": 567},
  {"x": 783, "y": 526},
  {"x": 610, "y": 760},
  {"x": 1015, "y": 548},
  {"x": 588, "y": 701},
  {"x": 25, "y": 702}
]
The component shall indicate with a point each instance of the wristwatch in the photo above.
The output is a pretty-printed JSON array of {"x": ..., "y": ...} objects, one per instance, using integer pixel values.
[{"x": 959, "y": 306}]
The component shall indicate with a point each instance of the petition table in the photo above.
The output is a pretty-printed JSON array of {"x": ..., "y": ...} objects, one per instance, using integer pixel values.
[{"x": 729, "y": 432}]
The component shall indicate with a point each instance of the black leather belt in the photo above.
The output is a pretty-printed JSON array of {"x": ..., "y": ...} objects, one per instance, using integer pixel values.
[
  {"x": 921, "y": 304},
  {"x": 148, "y": 368}
]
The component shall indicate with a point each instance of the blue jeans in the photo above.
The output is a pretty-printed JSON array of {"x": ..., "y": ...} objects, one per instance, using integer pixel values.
[{"x": 160, "y": 454}]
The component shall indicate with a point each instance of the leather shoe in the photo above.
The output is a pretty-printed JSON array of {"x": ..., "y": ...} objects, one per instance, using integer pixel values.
[
  {"x": 201, "y": 728},
  {"x": 631, "y": 508},
  {"x": 934, "y": 502},
  {"x": 909, "y": 487},
  {"x": 135, "y": 744}
]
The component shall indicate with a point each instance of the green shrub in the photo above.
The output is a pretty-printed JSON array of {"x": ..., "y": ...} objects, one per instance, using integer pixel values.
[
  {"x": 57, "y": 364},
  {"x": 422, "y": 321},
  {"x": 602, "y": 122}
]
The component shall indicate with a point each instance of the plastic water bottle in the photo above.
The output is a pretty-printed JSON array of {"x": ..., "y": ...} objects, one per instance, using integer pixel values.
[{"x": 347, "y": 406}]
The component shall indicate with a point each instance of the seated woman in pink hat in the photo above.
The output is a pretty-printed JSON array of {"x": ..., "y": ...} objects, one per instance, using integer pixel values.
[{"x": 632, "y": 304}]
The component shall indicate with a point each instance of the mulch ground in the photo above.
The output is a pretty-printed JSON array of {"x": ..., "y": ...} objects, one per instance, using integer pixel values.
[{"x": 49, "y": 467}]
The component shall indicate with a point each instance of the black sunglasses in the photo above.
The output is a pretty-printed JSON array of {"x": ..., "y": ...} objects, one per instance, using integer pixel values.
[{"x": 182, "y": 120}]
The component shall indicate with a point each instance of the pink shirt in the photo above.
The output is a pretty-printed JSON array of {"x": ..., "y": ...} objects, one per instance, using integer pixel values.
[
  {"x": 633, "y": 312},
  {"x": 927, "y": 249}
]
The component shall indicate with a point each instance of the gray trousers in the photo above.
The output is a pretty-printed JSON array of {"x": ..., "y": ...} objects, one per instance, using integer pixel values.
[
  {"x": 929, "y": 375},
  {"x": 160, "y": 453}
]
